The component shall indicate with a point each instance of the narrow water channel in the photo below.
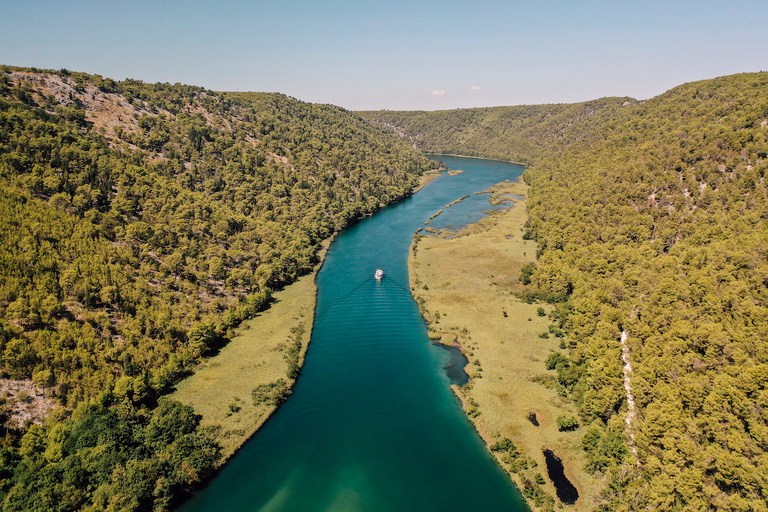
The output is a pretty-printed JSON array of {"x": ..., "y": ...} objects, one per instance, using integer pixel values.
[{"x": 372, "y": 424}]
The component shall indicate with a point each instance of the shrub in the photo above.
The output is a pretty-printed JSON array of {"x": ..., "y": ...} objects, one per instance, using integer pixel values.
[
  {"x": 274, "y": 393},
  {"x": 567, "y": 423},
  {"x": 503, "y": 445},
  {"x": 554, "y": 360},
  {"x": 526, "y": 272}
]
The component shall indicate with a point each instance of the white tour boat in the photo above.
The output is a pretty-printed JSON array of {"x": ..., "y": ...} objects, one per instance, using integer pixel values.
[{"x": 379, "y": 274}]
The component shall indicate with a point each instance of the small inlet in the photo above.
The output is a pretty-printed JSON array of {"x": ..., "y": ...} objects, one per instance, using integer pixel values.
[{"x": 454, "y": 368}]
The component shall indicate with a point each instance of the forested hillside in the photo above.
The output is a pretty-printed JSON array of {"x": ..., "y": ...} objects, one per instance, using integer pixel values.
[
  {"x": 521, "y": 134},
  {"x": 651, "y": 221},
  {"x": 657, "y": 226},
  {"x": 140, "y": 223}
]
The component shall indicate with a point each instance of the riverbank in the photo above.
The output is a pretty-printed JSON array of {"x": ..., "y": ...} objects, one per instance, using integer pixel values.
[
  {"x": 464, "y": 286},
  {"x": 438, "y": 155},
  {"x": 221, "y": 391}
]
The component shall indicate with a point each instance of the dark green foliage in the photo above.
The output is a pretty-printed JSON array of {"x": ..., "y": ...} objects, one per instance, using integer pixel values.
[
  {"x": 504, "y": 445},
  {"x": 201, "y": 336},
  {"x": 140, "y": 252},
  {"x": 535, "y": 493},
  {"x": 668, "y": 268},
  {"x": 111, "y": 458},
  {"x": 659, "y": 226},
  {"x": 525, "y": 275},
  {"x": 649, "y": 217},
  {"x": 274, "y": 393},
  {"x": 556, "y": 360},
  {"x": 523, "y": 466},
  {"x": 557, "y": 333},
  {"x": 234, "y": 407},
  {"x": 520, "y": 134},
  {"x": 605, "y": 447},
  {"x": 567, "y": 423},
  {"x": 293, "y": 352}
]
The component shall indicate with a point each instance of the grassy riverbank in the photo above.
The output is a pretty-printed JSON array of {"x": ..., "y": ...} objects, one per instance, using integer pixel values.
[
  {"x": 465, "y": 285},
  {"x": 265, "y": 356}
]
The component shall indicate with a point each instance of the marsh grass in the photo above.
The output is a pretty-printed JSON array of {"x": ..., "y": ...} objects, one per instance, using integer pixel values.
[
  {"x": 470, "y": 279},
  {"x": 265, "y": 354}
]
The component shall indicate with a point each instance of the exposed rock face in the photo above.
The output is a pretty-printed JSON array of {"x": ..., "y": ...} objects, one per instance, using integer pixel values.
[{"x": 23, "y": 401}]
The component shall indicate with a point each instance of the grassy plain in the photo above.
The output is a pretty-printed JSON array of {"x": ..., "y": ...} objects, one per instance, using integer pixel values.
[
  {"x": 464, "y": 285},
  {"x": 221, "y": 390}
]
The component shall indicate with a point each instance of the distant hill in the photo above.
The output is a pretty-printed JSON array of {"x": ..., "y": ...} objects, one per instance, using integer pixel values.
[
  {"x": 521, "y": 134},
  {"x": 140, "y": 223},
  {"x": 651, "y": 219}
]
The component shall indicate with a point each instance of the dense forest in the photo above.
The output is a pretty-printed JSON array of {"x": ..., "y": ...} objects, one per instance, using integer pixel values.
[
  {"x": 140, "y": 224},
  {"x": 653, "y": 223}
]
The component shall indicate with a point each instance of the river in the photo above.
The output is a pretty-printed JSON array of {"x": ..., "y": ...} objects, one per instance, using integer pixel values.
[{"x": 372, "y": 424}]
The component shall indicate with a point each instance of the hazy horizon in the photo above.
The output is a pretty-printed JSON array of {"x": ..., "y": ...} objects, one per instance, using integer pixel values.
[{"x": 396, "y": 55}]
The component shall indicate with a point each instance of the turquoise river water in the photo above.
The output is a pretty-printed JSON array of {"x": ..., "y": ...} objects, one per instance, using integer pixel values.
[{"x": 372, "y": 424}]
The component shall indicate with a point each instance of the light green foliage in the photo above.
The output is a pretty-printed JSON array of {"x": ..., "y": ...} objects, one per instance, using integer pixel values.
[
  {"x": 604, "y": 445},
  {"x": 649, "y": 217},
  {"x": 152, "y": 256},
  {"x": 657, "y": 225}
]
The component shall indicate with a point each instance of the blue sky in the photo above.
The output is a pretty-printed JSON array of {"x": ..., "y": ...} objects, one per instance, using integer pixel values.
[{"x": 398, "y": 55}]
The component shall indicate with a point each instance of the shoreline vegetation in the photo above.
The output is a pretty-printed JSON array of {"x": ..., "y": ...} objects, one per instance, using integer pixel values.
[
  {"x": 476, "y": 157},
  {"x": 144, "y": 222},
  {"x": 426, "y": 178},
  {"x": 650, "y": 218},
  {"x": 465, "y": 295},
  {"x": 256, "y": 371}
]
